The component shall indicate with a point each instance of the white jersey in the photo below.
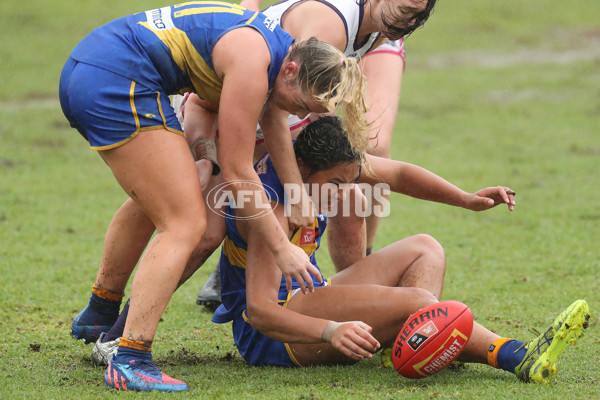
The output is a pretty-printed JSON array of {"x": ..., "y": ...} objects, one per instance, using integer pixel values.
[{"x": 350, "y": 12}]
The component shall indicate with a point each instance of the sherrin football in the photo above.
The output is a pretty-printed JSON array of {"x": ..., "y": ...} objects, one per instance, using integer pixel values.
[{"x": 432, "y": 338}]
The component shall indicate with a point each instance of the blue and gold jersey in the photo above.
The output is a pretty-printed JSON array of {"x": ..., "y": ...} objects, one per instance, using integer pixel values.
[
  {"x": 170, "y": 48},
  {"x": 233, "y": 254}
]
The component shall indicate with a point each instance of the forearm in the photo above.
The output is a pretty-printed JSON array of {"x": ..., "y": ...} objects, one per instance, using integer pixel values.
[
  {"x": 414, "y": 181},
  {"x": 246, "y": 187},
  {"x": 284, "y": 325},
  {"x": 281, "y": 150},
  {"x": 200, "y": 120},
  {"x": 422, "y": 184},
  {"x": 263, "y": 281}
]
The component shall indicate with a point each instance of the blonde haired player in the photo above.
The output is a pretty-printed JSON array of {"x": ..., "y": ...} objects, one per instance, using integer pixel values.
[
  {"x": 367, "y": 29},
  {"x": 114, "y": 90}
]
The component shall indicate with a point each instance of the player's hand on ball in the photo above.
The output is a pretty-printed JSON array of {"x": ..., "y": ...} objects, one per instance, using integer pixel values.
[
  {"x": 354, "y": 340},
  {"x": 489, "y": 197}
]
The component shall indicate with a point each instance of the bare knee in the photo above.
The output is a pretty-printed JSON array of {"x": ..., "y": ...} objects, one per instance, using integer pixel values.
[
  {"x": 187, "y": 229},
  {"x": 411, "y": 300},
  {"x": 428, "y": 246},
  {"x": 196, "y": 228},
  {"x": 212, "y": 239},
  {"x": 428, "y": 268}
]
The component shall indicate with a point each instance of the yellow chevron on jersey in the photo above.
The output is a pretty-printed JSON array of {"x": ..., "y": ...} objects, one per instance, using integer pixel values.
[
  {"x": 205, "y": 3},
  {"x": 169, "y": 49},
  {"x": 205, "y": 81},
  {"x": 222, "y": 7},
  {"x": 236, "y": 255},
  {"x": 305, "y": 238}
]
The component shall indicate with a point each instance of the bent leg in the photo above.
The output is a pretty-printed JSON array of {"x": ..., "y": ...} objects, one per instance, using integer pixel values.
[
  {"x": 416, "y": 261},
  {"x": 210, "y": 242},
  {"x": 156, "y": 169},
  {"x": 129, "y": 233},
  {"x": 215, "y": 232},
  {"x": 383, "y": 308},
  {"x": 126, "y": 238}
]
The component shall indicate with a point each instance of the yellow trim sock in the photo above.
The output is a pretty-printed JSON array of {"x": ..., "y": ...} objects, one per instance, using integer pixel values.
[
  {"x": 135, "y": 344},
  {"x": 106, "y": 294}
]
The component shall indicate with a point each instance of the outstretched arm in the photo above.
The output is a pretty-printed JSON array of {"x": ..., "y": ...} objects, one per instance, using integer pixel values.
[{"x": 415, "y": 181}]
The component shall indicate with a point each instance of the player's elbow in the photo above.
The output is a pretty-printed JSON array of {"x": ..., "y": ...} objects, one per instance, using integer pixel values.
[{"x": 258, "y": 317}]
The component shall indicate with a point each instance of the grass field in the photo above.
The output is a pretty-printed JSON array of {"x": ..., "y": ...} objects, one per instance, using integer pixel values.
[{"x": 494, "y": 93}]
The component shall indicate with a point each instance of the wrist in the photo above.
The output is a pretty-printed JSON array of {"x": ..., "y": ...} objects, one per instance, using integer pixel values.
[
  {"x": 464, "y": 200},
  {"x": 329, "y": 330},
  {"x": 204, "y": 149},
  {"x": 274, "y": 237}
]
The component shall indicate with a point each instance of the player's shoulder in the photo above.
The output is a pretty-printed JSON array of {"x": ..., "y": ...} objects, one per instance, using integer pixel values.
[
  {"x": 325, "y": 12},
  {"x": 315, "y": 19}
]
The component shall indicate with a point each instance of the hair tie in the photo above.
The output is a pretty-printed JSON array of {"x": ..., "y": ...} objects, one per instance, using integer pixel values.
[{"x": 342, "y": 62}]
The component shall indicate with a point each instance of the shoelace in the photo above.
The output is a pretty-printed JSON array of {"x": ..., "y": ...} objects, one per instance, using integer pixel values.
[
  {"x": 146, "y": 365},
  {"x": 532, "y": 330}
]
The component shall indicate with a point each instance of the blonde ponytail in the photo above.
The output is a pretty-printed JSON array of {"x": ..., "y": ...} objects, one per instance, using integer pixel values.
[{"x": 337, "y": 83}]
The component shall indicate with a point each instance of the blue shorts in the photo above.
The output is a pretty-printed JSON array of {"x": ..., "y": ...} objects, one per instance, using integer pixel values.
[
  {"x": 256, "y": 348},
  {"x": 108, "y": 109}
]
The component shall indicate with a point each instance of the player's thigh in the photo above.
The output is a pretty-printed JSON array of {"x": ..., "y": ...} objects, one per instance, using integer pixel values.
[
  {"x": 157, "y": 170},
  {"x": 382, "y": 308},
  {"x": 388, "y": 265}
]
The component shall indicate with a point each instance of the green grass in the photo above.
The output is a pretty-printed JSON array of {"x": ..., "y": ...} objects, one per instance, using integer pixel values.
[{"x": 494, "y": 93}]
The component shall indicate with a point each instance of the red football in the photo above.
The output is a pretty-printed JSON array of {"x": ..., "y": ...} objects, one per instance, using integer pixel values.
[{"x": 432, "y": 338}]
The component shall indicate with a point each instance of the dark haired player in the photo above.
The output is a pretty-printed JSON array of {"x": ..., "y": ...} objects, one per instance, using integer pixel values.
[{"x": 362, "y": 308}]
